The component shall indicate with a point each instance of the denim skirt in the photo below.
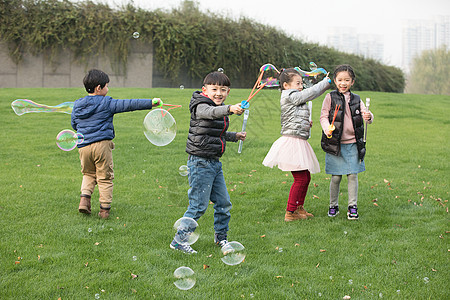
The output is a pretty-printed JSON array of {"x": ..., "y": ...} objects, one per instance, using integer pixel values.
[{"x": 347, "y": 162}]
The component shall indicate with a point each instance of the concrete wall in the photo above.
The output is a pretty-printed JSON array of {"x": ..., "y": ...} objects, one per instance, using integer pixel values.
[{"x": 67, "y": 71}]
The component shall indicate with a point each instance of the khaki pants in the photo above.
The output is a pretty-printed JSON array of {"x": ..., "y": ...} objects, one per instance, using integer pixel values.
[{"x": 98, "y": 168}]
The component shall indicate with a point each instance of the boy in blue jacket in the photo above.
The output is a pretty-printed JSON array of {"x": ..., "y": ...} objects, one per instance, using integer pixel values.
[{"x": 92, "y": 116}]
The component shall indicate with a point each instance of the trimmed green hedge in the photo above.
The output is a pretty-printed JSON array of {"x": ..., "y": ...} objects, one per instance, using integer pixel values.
[{"x": 185, "y": 40}]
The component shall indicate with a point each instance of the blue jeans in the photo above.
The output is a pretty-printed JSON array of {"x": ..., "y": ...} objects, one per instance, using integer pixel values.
[{"x": 207, "y": 183}]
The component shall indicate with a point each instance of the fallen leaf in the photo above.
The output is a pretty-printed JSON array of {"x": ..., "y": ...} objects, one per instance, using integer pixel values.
[
  {"x": 322, "y": 250},
  {"x": 315, "y": 184},
  {"x": 86, "y": 264},
  {"x": 317, "y": 265},
  {"x": 205, "y": 267},
  {"x": 39, "y": 257},
  {"x": 279, "y": 276},
  {"x": 17, "y": 262},
  {"x": 375, "y": 200},
  {"x": 434, "y": 270},
  {"x": 133, "y": 290},
  {"x": 284, "y": 182},
  {"x": 263, "y": 236},
  {"x": 97, "y": 243},
  {"x": 297, "y": 245},
  {"x": 316, "y": 197},
  {"x": 386, "y": 181},
  {"x": 347, "y": 297},
  {"x": 133, "y": 276},
  {"x": 376, "y": 204}
]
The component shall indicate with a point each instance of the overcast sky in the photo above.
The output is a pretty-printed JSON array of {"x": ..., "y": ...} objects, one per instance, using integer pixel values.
[{"x": 312, "y": 20}]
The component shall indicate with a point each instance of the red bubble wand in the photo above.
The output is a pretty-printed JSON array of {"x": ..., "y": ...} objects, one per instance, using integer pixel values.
[{"x": 331, "y": 127}]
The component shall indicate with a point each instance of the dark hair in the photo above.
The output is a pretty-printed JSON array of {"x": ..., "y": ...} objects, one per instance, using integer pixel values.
[
  {"x": 344, "y": 68},
  {"x": 287, "y": 75},
  {"x": 94, "y": 78},
  {"x": 217, "y": 78}
]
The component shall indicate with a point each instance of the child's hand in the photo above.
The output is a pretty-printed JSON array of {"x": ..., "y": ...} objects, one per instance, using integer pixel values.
[
  {"x": 367, "y": 116},
  {"x": 241, "y": 136},
  {"x": 236, "y": 109},
  {"x": 156, "y": 102}
]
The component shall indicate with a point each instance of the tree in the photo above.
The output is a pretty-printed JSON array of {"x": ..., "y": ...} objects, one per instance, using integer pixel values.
[{"x": 430, "y": 73}]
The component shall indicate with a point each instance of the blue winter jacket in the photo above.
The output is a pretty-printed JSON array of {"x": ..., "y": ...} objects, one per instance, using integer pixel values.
[{"x": 92, "y": 116}]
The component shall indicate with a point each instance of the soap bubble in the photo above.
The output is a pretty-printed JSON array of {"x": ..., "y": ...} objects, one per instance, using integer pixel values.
[
  {"x": 181, "y": 87},
  {"x": 235, "y": 257},
  {"x": 185, "y": 228},
  {"x": 67, "y": 140},
  {"x": 426, "y": 279},
  {"x": 160, "y": 127},
  {"x": 89, "y": 229},
  {"x": 185, "y": 276},
  {"x": 134, "y": 258},
  {"x": 136, "y": 35},
  {"x": 183, "y": 170},
  {"x": 97, "y": 296},
  {"x": 220, "y": 70}
]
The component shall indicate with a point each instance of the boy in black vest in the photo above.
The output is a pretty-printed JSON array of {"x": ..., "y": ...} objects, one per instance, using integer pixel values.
[{"x": 205, "y": 145}]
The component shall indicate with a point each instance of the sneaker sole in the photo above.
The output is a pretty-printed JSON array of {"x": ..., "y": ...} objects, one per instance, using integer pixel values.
[
  {"x": 352, "y": 218},
  {"x": 172, "y": 247},
  {"x": 332, "y": 216}
]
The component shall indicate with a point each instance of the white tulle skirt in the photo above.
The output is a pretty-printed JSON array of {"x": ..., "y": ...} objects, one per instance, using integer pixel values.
[{"x": 292, "y": 154}]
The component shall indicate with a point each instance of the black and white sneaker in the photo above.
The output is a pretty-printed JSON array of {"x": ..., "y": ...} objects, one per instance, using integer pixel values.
[
  {"x": 222, "y": 242},
  {"x": 352, "y": 213},
  {"x": 333, "y": 211},
  {"x": 184, "y": 248}
]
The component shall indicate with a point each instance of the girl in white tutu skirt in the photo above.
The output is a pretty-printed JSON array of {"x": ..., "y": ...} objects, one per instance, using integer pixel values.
[{"x": 292, "y": 152}]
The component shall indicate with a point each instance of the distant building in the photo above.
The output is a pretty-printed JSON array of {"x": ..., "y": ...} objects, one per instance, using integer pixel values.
[
  {"x": 345, "y": 39},
  {"x": 424, "y": 35}
]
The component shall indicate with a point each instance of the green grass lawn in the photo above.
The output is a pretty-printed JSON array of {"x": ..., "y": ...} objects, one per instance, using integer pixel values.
[{"x": 398, "y": 249}]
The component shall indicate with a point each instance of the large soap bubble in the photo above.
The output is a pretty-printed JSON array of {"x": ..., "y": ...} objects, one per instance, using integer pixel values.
[
  {"x": 67, "y": 140},
  {"x": 185, "y": 276},
  {"x": 185, "y": 228},
  {"x": 235, "y": 257},
  {"x": 160, "y": 127}
]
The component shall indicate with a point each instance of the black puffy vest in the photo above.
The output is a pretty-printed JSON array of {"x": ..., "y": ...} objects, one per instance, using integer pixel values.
[
  {"x": 333, "y": 145},
  {"x": 206, "y": 138}
]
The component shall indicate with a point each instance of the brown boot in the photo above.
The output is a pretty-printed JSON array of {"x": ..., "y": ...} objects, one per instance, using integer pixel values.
[
  {"x": 301, "y": 210},
  {"x": 104, "y": 212},
  {"x": 85, "y": 204},
  {"x": 292, "y": 216}
]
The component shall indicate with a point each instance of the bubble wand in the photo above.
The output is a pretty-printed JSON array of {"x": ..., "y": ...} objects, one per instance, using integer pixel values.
[
  {"x": 367, "y": 109},
  {"x": 260, "y": 84},
  {"x": 331, "y": 127},
  {"x": 244, "y": 124},
  {"x": 161, "y": 104},
  {"x": 310, "y": 116}
]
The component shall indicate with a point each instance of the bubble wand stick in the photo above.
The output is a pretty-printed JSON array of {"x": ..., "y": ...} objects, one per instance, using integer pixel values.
[
  {"x": 367, "y": 109},
  {"x": 310, "y": 116},
  {"x": 244, "y": 124},
  {"x": 331, "y": 127}
]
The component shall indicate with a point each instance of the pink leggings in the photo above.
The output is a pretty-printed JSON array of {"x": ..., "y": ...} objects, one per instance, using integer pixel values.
[{"x": 298, "y": 189}]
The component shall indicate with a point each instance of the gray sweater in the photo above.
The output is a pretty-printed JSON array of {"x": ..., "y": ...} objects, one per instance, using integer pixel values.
[{"x": 294, "y": 109}]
